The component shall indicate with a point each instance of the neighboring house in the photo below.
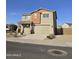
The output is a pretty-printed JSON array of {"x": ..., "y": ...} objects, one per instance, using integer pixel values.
[
  {"x": 67, "y": 28},
  {"x": 67, "y": 25},
  {"x": 41, "y": 21}
]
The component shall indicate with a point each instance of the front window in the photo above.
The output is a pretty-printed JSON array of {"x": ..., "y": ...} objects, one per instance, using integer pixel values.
[{"x": 45, "y": 15}]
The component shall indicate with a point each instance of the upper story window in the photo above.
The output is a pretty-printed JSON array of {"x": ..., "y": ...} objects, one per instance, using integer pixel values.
[{"x": 45, "y": 15}]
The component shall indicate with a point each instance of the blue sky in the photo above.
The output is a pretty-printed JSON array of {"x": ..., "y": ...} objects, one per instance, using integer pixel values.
[{"x": 15, "y": 9}]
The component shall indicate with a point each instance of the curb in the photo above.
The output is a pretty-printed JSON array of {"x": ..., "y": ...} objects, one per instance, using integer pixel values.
[{"x": 38, "y": 43}]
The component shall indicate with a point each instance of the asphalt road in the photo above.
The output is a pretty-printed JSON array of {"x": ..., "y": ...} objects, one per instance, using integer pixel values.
[{"x": 16, "y": 50}]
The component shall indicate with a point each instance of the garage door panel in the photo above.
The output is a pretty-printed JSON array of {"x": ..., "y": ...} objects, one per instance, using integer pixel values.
[{"x": 43, "y": 29}]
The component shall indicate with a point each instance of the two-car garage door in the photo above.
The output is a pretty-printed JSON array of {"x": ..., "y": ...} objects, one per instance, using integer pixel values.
[{"x": 43, "y": 29}]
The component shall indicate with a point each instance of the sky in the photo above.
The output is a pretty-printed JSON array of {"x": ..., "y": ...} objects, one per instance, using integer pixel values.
[{"x": 15, "y": 9}]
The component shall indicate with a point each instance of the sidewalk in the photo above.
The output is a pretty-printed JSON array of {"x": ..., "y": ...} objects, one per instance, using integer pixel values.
[{"x": 60, "y": 40}]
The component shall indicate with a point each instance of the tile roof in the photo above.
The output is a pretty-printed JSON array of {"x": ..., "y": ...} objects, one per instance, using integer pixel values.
[{"x": 26, "y": 14}]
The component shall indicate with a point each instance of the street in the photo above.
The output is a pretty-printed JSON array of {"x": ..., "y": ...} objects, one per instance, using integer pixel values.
[{"x": 16, "y": 50}]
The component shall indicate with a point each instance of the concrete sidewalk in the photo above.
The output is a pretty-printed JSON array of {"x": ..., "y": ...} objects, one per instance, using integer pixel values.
[{"x": 60, "y": 40}]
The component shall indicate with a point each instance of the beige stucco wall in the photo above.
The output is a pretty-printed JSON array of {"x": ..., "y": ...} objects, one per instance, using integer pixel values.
[
  {"x": 43, "y": 29},
  {"x": 48, "y": 20}
]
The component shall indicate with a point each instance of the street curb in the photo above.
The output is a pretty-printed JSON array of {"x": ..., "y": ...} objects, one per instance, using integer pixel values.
[{"x": 39, "y": 43}]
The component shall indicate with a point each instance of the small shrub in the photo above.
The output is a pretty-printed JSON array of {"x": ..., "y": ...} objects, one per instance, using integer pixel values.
[{"x": 51, "y": 36}]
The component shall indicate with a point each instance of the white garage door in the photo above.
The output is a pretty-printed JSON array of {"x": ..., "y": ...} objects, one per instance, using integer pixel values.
[{"x": 43, "y": 30}]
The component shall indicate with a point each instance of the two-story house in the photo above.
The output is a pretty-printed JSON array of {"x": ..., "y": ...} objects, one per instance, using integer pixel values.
[{"x": 41, "y": 21}]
